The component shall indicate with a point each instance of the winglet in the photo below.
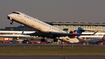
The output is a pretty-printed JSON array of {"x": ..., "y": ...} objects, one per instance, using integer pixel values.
[
  {"x": 94, "y": 32},
  {"x": 22, "y": 32}
]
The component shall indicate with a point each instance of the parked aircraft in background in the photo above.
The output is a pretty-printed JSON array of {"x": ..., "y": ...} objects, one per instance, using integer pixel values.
[
  {"x": 98, "y": 40},
  {"x": 44, "y": 29},
  {"x": 96, "y": 36}
]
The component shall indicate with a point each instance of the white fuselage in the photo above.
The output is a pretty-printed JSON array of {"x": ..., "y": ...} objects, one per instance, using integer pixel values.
[{"x": 39, "y": 25}]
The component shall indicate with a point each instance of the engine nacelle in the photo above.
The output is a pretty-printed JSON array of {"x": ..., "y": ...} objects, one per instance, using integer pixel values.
[{"x": 73, "y": 32}]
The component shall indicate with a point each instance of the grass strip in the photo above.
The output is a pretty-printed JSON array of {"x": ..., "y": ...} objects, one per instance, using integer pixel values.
[{"x": 44, "y": 50}]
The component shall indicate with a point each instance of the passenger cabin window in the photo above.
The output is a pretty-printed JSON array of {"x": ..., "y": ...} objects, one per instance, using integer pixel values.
[{"x": 15, "y": 12}]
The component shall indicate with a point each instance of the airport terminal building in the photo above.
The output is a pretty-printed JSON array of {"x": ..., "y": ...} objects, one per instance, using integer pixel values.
[
  {"x": 74, "y": 25},
  {"x": 70, "y": 26}
]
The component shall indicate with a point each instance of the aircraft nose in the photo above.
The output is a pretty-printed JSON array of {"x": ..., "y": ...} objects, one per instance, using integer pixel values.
[{"x": 9, "y": 16}]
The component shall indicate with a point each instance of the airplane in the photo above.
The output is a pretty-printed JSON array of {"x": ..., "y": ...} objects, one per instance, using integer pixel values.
[
  {"x": 98, "y": 40},
  {"x": 44, "y": 29},
  {"x": 98, "y": 35}
]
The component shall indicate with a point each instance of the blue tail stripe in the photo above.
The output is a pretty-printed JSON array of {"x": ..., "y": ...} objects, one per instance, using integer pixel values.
[{"x": 80, "y": 30}]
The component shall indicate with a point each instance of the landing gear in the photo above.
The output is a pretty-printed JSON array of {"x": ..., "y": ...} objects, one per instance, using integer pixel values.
[
  {"x": 10, "y": 19},
  {"x": 11, "y": 22}
]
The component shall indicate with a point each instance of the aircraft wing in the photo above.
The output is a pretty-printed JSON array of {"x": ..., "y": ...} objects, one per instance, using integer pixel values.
[
  {"x": 54, "y": 34},
  {"x": 11, "y": 35}
]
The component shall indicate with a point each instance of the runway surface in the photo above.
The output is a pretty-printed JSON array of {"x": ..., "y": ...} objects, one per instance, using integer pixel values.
[
  {"x": 49, "y": 56},
  {"x": 16, "y": 45},
  {"x": 52, "y": 56}
]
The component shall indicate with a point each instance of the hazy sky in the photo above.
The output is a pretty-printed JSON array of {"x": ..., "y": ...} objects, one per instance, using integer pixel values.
[{"x": 54, "y": 10}]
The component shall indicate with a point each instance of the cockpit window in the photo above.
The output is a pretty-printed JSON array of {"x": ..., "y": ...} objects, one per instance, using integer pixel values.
[{"x": 16, "y": 12}]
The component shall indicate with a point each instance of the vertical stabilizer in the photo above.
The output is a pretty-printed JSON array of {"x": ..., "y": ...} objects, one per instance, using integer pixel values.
[{"x": 80, "y": 30}]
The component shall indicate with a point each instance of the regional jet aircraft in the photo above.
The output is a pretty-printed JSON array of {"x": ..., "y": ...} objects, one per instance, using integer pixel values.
[
  {"x": 44, "y": 29},
  {"x": 98, "y": 40}
]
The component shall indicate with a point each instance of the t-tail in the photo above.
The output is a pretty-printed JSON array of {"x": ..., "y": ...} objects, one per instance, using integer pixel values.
[{"x": 79, "y": 30}]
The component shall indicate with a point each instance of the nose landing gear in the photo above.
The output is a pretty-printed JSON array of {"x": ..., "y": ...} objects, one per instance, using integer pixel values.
[
  {"x": 11, "y": 22},
  {"x": 10, "y": 19}
]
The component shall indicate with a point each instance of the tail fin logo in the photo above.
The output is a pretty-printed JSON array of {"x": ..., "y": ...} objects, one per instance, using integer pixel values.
[{"x": 80, "y": 30}]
